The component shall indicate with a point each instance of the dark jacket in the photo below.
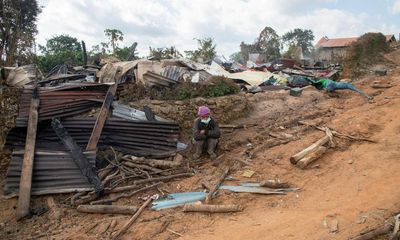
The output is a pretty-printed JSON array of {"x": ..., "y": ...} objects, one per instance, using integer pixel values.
[{"x": 211, "y": 129}]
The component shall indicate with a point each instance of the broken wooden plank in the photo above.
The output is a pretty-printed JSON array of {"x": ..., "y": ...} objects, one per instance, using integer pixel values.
[
  {"x": 107, "y": 209},
  {"x": 101, "y": 118},
  {"x": 80, "y": 159},
  {"x": 311, "y": 157},
  {"x": 295, "y": 158},
  {"x": 132, "y": 219},
  {"x": 217, "y": 185},
  {"x": 211, "y": 208},
  {"x": 25, "y": 185}
]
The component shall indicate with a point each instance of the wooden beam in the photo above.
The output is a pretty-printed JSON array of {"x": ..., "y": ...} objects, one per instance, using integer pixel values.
[
  {"x": 101, "y": 118},
  {"x": 77, "y": 154},
  {"x": 25, "y": 184}
]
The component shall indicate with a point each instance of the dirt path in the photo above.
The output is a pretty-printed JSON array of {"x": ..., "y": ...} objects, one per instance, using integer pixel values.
[{"x": 357, "y": 187}]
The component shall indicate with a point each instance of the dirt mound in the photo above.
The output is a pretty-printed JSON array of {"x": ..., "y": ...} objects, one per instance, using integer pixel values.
[
  {"x": 366, "y": 51},
  {"x": 394, "y": 56}
]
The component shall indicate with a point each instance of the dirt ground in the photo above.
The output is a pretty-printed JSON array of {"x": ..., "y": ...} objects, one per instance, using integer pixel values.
[{"x": 354, "y": 185}]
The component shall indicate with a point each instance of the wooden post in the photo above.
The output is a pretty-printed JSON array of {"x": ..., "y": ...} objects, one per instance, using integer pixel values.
[
  {"x": 101, "y": 118},
  {"x": 25, "y": 183},
  {"x": 295, "y": 158},
  {"x": 107, "y": 209},
  {"x": 132, "y": 220},
  {"x": 211, "y": 208},
  {"x": 216, "y": 186}
]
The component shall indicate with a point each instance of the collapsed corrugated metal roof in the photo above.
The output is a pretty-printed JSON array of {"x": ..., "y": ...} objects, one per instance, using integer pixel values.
[
  {"x": 64, "y": 101},
  {"x": 24, "y": 75},
  {"x": 140, "y": 138},
  {"x": 54, "y": 171}
]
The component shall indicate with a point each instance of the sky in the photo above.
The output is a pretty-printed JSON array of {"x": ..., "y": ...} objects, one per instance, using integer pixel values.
[{"x": 163, "y": 23}]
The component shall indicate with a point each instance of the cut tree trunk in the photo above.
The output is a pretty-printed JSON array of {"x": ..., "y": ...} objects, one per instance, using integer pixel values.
[
  {"x": 311, "y": 157},
  {"x": 295, "y": 158}
]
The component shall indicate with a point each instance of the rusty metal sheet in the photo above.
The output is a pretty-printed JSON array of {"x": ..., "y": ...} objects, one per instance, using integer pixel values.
[{"x": 54, "y": 171}]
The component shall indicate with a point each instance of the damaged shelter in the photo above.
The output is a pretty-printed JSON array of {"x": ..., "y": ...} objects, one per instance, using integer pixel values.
[{"x": 333, "y": 50}]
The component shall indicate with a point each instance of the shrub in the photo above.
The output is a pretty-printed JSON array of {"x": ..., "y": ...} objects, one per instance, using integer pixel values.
[{"x": 366, "y": 51}]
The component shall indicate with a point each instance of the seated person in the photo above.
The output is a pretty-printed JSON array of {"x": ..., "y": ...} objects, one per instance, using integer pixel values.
[{"x": 205, "y": 133}]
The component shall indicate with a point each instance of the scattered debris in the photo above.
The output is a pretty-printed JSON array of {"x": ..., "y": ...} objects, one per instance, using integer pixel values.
[
  {"x": 178, "y": 199},
  {"x": 248, "y": 173}
]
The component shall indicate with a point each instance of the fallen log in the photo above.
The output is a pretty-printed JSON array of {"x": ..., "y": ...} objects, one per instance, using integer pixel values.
[
  {"x": 142, "y": 166},
  {"x": 107, "y": 209},
  {"x": 274, "y": 184},
  {"x": 132, "y": 220},
  {"x": 381, "y": 85},
  {"x": 211, "y": 208},
  {"x": 295, "y": 158},
  {"x": 25, "y": 184},
  {"x": 217, "y": 185},
  {"x": 311, "y": 157},
  {"x": 162, "y": 164}
]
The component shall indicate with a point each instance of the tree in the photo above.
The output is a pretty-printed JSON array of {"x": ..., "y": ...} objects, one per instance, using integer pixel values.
[
  {"x": 17, "y": 30},
  {"x": 114, "y": 36},
  {"x": 268, "y": 43},
  {"x": 163, "y": 53},
  {"x": 62, "y": 49},
  {"x": 205, "y": 51},
  {"x": 236, "y": 57},
  {"x": 299, "y": 38}
]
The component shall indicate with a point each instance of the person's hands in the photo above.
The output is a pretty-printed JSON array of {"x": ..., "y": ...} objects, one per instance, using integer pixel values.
[{"x": 202, "y": 132}]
